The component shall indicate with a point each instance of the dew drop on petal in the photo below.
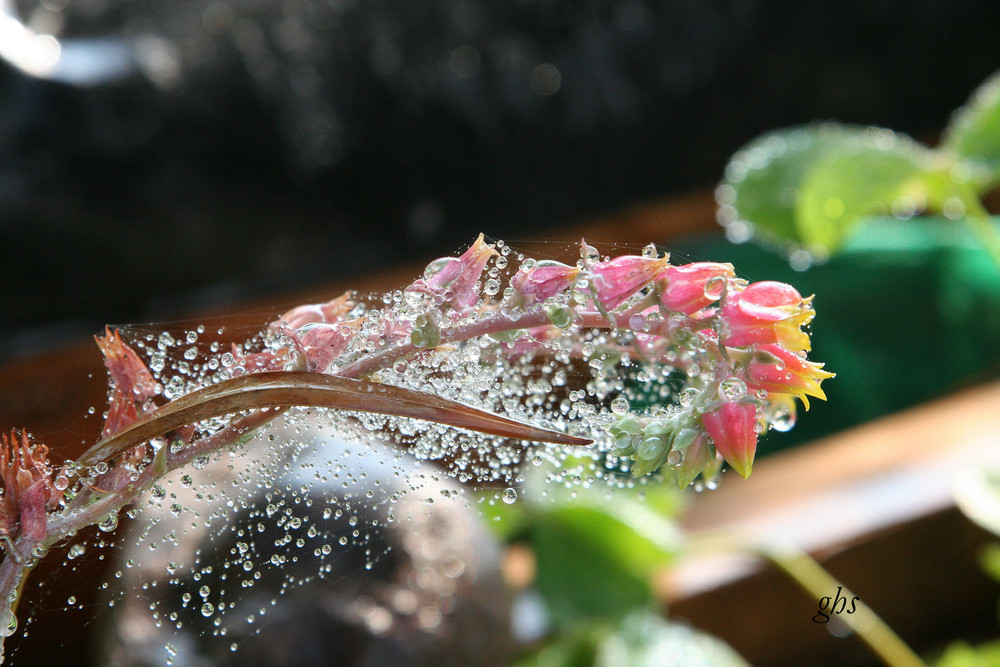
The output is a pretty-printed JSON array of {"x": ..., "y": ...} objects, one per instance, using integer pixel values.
[{"x": 715, "y": 287}]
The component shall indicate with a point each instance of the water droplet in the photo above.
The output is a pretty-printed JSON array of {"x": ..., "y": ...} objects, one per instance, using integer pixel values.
[
  {"x": 620, "y": 405},
  {"x": 781, "y": 415},
  {"x": 687, "y": 397},
  {"x": 71, "y": 600},
  {"x": 491, "y": 286},
  {"x": 400, "y": 366},
  {"x": 675, "y": 458},
  {"x": 650, "y": 251},
  {"x": 109, "y": 523},
  {"x": 509, "y": 496},
  {"x": 207, "y": 609},
  {"x": 732, "y": 389},
  {"x": 76, "y": 551},
  {"x": 715, "y": 287}
]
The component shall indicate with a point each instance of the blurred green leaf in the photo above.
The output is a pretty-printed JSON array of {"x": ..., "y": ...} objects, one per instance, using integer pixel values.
[
  {"x": 642, "y": 639},
  {"x": 989, "y": 560},
  {"x": 865, "y": 178},
  {"x": 974, "y": 133},
  {"x": 765, "y": 175},
  {"x": 960, "y": 654},
  {"x": 593, "y": 565},
  {"x": 810, "y": 185}
]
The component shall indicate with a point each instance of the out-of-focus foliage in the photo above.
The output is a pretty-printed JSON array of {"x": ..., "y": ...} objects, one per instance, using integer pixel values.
[{"x": 807, "y": 188}]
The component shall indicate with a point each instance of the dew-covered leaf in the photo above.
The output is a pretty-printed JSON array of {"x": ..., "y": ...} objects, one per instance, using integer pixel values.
[
  {"x": 974, "y": 133},
  {"x": 763, "y": 178},
  {"x": 299, "y": 388},
  {"x": 864, "y": 178},
  {"x": 808, "y": 186}
]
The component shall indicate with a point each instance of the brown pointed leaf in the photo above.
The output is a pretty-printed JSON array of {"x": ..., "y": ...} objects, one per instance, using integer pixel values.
[{"x": 278, "y": 389}]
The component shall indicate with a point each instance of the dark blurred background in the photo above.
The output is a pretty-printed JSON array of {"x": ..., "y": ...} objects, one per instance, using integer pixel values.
[{"x": 182, "y": 155}]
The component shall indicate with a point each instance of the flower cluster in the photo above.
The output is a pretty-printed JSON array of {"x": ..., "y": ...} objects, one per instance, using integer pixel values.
[{"x": 740, "y": 348}]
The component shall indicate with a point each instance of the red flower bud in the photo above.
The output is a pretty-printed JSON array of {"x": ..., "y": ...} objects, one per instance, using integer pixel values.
[
  {"x": 732, "y": 428},
  {"x": 691, "y": 287}
]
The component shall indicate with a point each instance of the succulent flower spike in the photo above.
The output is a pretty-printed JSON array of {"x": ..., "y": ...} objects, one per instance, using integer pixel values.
[
  {"x": 693, "y": 287},
  {"x": 455, "y": 279},
  {"x": 775, "y": 369},
  {"x": 732, "y": 428},
  {"x": 767, "y": 312}
]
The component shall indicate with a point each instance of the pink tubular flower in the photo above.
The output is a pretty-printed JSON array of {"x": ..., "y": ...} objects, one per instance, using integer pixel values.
[
  {"x": 456, "y": 278},
  {"x": 767, "y": 312},
  {"x": 732, "y": 428},
  {"x": 685, "y": 286},
  {"x": 618, "y": 279},
  {"x": 542, "y": 281},
  {"x": 777, "y": 370}
]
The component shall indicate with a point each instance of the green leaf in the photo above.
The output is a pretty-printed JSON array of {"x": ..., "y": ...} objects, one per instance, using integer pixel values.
[
  {"x": 974, "y": 133},
  {"x": 810, "y": 185},
  {"x": 763, "y": 178},
  {"x": 865, "y": 178},
  {"x": 593, "y": 565},
  {"x": 646, "y": 639},
  {"x": 643, "y": 639},
  {"x": 961, "y": 654}
]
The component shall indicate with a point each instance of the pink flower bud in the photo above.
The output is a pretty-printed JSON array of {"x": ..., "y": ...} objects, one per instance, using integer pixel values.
[
  {"x": 456, "y": 278},
  {"x": 767, "y": 312},
  {"x": 130, "y": 375},
  {"x": 321, "y": 343},
  {"x": 332, "y": 311},
  {"x": 691, "y": 287},
  {"x": 618, "y": 279},
  {"x": 732, "y": 428},
  {"x": 777, "y": 370},
  {"x": 543, "y": 281}
]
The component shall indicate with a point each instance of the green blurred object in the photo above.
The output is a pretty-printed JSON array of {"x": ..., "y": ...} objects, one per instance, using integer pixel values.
[
  {"x": 643, "y": 639},
  {"x": 909, "y": 311}
]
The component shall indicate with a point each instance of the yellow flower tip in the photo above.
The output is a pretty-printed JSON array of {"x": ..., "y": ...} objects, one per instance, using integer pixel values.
[{"x": 743, "y": 467}]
